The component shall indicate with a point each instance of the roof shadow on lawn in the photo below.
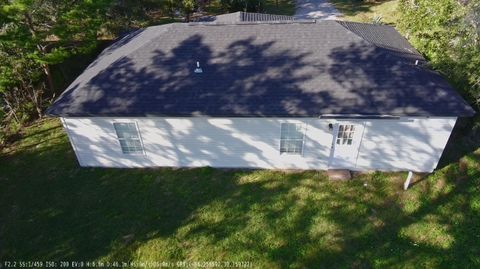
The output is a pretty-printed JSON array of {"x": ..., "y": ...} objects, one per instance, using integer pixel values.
[{"x": 465, "y": 140}]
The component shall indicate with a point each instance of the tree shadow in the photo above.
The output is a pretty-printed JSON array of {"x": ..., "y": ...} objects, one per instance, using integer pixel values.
[
  {"x": 279, "y": 219},
  {"x": 464, "y": 140},
  {"x": 70, "y": 213},
  {"x": 354, "y": 7},
  {"x": 170, "y": 85},
  {"x": 256, "y": 76},
  {"x": 384, "y": 80}
]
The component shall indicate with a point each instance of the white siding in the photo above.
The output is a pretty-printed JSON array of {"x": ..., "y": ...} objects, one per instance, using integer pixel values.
[
  {"x": 234, "y": 142},
  {"x": 414, "y": 144},
  {"x": 406, "y": 144}
]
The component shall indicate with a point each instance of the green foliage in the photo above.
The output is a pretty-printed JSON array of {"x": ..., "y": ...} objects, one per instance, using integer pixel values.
[
  {"x": 20, "y": 84},
  {"x": 35, "y": 34},
  {"x": 447, "y": 33},
  {"x": 280, "y": 7},
  {"x": 244, "y": 5},
  {"x": 367, "y": 11},
  {"x": 377, "y": 19},
  {"x": 48, "y": 30},
  {"x": 127, "y": 14},
  {"x": 38, "y": 35},
  {"x": 184, "y": 7},
  {"x": 187, "y": 7}
]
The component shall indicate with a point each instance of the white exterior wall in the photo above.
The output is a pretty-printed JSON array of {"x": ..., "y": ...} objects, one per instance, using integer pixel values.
[
  {"x": 406, "y": 144},
  {"x": 414, "y": 144}
]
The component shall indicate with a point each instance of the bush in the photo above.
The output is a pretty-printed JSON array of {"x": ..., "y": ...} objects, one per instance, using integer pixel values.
[
  {"x": 244, "y": 5},
  {"x": 447, "y": 32}
]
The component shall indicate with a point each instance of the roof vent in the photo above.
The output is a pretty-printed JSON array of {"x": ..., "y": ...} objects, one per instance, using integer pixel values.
[{"x": 198, "y": 70}]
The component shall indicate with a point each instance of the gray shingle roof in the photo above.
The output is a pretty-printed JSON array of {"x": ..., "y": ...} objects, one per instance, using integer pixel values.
[
  {"x": 383, "y": 36},
  {"x": 290, "y": 69}
]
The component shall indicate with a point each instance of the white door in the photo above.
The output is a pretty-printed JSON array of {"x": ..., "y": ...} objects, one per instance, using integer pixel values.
[{"x": 346, "y": 144}]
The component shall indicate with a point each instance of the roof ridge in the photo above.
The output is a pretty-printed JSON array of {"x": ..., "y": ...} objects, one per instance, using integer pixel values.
[
  {"x": 242, "y": 16},
  {"x": 364, "y": 23},
  {"x": 350, "y": 32},
  {"x": 250, "y": 23},
  {"x": 345, "y": 24}
]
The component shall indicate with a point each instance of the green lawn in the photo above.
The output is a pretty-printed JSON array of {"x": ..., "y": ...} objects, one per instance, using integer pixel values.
[
  {"x": 367, "y": 10},
  {"x": 279, "y": 7},
  {"x": 50, "y": 209}
]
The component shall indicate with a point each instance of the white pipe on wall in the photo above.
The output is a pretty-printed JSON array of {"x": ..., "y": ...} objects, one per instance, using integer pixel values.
[{"x": 407, "y": 182}]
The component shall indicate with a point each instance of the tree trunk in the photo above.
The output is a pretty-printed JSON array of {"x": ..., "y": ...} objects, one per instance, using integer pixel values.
[
  {"x": 35, "y": 97},
  {"x": 48, "y": 73},
  {"x": 41, "y": 49},
  {"x": 11, "y": 108}
]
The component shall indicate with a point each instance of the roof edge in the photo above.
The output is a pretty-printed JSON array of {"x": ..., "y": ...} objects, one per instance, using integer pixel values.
[
  {"x": 411, "y": 50},
  {"x": 323, "y": 116}
]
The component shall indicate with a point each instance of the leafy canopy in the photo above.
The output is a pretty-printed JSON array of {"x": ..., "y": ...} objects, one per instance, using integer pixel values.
[{"x": 448, "y": 33}]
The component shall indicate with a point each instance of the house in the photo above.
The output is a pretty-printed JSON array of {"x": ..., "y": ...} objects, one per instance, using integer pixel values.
[{"x": 259, "y": 91}]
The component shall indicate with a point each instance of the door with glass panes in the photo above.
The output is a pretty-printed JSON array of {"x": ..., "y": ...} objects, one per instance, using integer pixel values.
[{"x": 346, "y": 144}]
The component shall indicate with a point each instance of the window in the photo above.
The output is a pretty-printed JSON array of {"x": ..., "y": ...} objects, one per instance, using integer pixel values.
[
  {"x": 345, "y": 134},
  {"x": 128, "y": 137},
  {"x": 291, "y": 138}
]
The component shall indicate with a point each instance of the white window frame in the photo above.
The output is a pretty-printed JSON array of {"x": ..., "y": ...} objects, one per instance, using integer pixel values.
[
  {"x": 303, "y": 128},
  {"x": 142, "y": 152}
]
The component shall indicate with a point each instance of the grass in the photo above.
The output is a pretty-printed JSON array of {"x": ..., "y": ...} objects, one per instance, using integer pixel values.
[
  {"x": 50, "y": 209},
  {"x": 279, "y": 7},
  {"x": 367, "y": 10}
]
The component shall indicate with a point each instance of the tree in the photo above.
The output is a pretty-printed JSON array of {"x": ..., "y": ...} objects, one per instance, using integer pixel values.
[
  {"x": 34, "y": 34},
  {"x": 123, "y": 15},
  {"x": 188, "y": 7},
  {"x": 447, "y": 32},
  {"x": 20, "y": 85},
  {"x": 244, "y": 5}
]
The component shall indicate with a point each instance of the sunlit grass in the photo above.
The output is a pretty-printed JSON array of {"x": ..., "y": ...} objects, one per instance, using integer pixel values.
[
  {"x": 366, "y": 11},
  {"x": 428, "y": 231},
  {"x": 279, "y": 7},
  {"x": 50, "y": 209}
]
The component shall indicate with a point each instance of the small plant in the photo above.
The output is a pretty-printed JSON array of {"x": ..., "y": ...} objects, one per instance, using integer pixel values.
[
  {"x": 2, "y": 137},
  {"x": 377, "y": 19},
  {"x": 244, "y": 5}
]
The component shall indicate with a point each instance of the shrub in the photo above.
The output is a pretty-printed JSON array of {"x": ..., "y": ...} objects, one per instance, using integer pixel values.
[
  {"x": 244, "y": 5},
  {"x": 447, "y": 32}
]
